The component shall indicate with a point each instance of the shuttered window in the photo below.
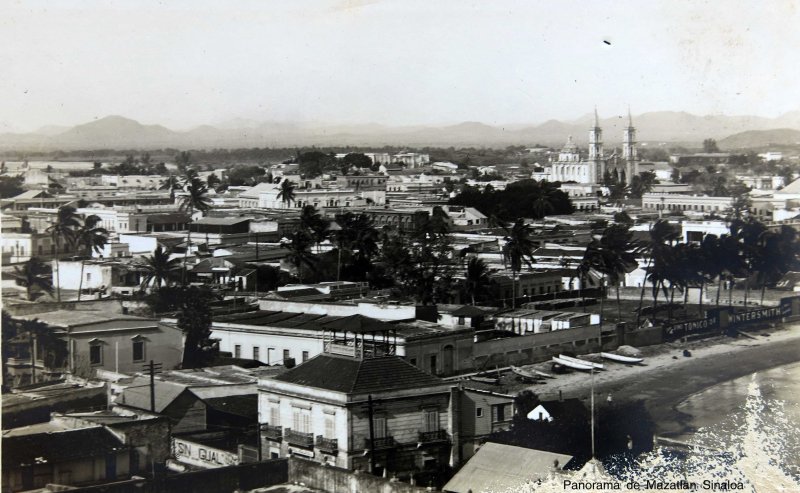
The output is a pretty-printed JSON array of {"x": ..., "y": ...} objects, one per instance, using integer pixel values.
[
  {"x": 330, "y": 427},
  {"x": 274, "y": 416},
  {"x": 431, "y": 420},
  {"x": 379, "y": 425},
  {"x": 302, "y": 421}
]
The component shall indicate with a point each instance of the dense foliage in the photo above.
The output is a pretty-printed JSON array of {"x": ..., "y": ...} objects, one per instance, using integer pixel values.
[{"x": 525, "y": 198}]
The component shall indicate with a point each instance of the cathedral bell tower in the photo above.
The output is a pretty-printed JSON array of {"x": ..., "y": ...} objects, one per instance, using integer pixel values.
[
  {"x": 596, "y": 150},
  {"x": 629, "y": 153}
]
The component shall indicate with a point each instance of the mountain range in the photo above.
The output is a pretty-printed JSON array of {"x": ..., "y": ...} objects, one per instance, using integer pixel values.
[{"x": 116, "y": 132}]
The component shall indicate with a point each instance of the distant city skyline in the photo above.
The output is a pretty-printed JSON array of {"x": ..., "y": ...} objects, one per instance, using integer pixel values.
[{"x": 185, "y": 64}]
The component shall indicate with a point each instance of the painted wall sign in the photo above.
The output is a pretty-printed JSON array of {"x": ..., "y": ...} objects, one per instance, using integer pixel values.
[
  {"x": 756, "y": 315},
  {"x": 691, "y": 327},
  {"x": 197, "y": 454}
]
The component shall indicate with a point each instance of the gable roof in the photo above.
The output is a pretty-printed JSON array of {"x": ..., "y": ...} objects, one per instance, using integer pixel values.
[
  {"x": 791, "y": 188},
  {"x": 353, "y": 376},
  {"x": 138, "y": 394},
  {"x": 491, "y": 470}
]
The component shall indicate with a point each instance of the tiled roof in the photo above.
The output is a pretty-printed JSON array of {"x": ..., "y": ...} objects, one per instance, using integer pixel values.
[
  {"x": 353, "y": 376},
  {"x": 58, "y": 446}
]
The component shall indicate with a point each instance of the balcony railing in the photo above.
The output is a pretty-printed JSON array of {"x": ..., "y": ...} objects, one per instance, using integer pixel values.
[
  {"x": 433, "y": 436},
  {"x": 381, "y": 443},
  {"x": 298, "y": 438},
  {"x": 327, "y": 444},
  {"x": 274, "y": 433}
]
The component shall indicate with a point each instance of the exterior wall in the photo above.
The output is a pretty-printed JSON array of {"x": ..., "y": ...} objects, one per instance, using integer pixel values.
[
  {"x": 82, "y": 471},
  {"x": 445, "y": 355},
  {"x": 162, "y": 344},
  {"x": 677, "y": 202},
  {"x": 19, "y": 247},
  {"x": 67, "y": 275},
  {"x": 271, "y": 342},
  {"x": 476, "y": 420},
  {"x": 187, "y": 413}
]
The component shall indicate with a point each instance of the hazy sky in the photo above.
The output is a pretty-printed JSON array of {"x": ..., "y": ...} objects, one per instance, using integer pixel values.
[{"x": 393, "y": 62}]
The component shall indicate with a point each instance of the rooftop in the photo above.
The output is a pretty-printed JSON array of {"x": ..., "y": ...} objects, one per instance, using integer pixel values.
[
  {"x": 491, "y": 470},
  {"x": 357, "y": 376},
  {"x": 71, "y": 318},
  {"x": 41, "y": 447}
]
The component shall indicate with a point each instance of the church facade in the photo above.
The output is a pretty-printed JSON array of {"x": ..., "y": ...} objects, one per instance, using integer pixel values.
[{"x": 571, "y": 167}]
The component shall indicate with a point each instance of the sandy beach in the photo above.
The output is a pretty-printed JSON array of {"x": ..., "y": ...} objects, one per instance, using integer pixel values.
[{"x": 667, "y": 377}]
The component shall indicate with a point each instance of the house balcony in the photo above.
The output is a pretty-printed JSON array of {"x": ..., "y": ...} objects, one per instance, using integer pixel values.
[
  {"x": 433, "y": 436},
  {"x": 274, "y": 433},
  {"x": 329, "y": 445},
  {"x": 381, "y": 443},
  {"x": 298, "y": 438}
]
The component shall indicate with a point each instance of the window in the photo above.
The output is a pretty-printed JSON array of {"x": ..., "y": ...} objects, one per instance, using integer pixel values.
[
  {"x": 285, "y": 354},
  {"x": 330, "y": 426},
  {"x": 501, "y": 412},
  {"x": 138, "y": 350},
  {"x": 256, "y": 354},
  {"x": 96, "y": 353},
  {"x": 478, "y": 412},
  {"x": 274, "y": 415},
  {"x": 431, "y": 420},
  {"x": 379, "y": 426},
  {"x": 305, "y": 356},
  {"x": 237, "y": 351},
  {"x": 433, "y": 364},
  {"x": 301, "y": 421},
  {"x": 460, "y": 320}
]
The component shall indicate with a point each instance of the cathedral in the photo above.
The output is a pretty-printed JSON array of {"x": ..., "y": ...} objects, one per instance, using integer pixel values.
[{"x": 570, "y": 167}]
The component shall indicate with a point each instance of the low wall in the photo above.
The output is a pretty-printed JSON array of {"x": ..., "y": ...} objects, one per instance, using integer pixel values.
[
  {"x": 541, "y": 347},
  {"x": 223, "y": 479},
  {"x": 109, "y": 305},
  {"x": 327, "y": 478},
  {"x": 643, "y": 337}
]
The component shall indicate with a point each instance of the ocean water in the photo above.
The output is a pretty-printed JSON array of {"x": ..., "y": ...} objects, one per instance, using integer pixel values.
[{"x": 747, "y": 433}]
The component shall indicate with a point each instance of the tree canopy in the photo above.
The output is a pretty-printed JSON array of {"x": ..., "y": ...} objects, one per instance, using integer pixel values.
[{"x": 525, "y": 198}]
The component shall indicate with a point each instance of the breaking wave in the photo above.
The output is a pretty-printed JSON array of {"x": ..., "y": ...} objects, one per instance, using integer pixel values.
[{"x": 753, "y": 458}]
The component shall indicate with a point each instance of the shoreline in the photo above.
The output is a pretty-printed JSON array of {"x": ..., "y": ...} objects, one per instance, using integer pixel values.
[{"x": 667, "y": 378}]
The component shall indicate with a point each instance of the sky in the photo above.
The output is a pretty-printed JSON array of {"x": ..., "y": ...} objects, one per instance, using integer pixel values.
[{"x": 183, "y": 64}]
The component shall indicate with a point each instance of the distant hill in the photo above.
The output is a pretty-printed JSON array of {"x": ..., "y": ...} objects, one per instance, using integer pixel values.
[
  {"x": 761, "y": 138},
  {"x": 117, "y": 132}
]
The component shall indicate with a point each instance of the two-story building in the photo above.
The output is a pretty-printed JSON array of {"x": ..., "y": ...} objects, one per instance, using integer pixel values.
[{"x": 360, "y": 410}]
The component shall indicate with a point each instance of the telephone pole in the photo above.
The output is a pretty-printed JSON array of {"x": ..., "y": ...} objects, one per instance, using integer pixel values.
[{"x": 153, "y": 368}]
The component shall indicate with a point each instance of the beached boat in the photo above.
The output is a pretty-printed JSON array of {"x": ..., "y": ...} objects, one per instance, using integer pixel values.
[
  {"x": 489, "y": 380},
  {"x": 571, "y": 364},
  {"x": 621, "y": 359},
  {"x": 530, "y": 374},
  {"x": 596, "y": 366}
]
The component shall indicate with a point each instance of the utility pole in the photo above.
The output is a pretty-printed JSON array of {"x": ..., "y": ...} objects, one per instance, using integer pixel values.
[
  {"x": 153, "y": 368},
  {"x": 371, "y": 436},
  {"x": 592, "y": 401}
]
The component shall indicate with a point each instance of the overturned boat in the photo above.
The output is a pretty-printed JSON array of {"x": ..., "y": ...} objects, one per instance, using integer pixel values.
[
  {"x": 596, "y": 366},
  {"x": 621, "y": 359}
]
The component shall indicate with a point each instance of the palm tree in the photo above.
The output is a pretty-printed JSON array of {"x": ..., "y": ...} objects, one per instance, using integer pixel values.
[
  {"x": 286, "y": 192},
  {"x": 359, "y": 238},
  {"x": 89, "y": 237},
  {"x": 477, "y": 278},
  {"x": 171, "y": 183},
  {"x": 62, "y": 231},
  {"x": 196, "y": 198},
  {"x": 517, "y": 249},
  {"x": 35, "y": 276},
  {"x": 618, "y": 251},
  {"x": 662, "y": 235},
  {"x": 751, "y": 235},
  {"x": 299, "y": 247},
  {"x": 311, "y": 222},
  {"x": 159, "y": 269}
]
